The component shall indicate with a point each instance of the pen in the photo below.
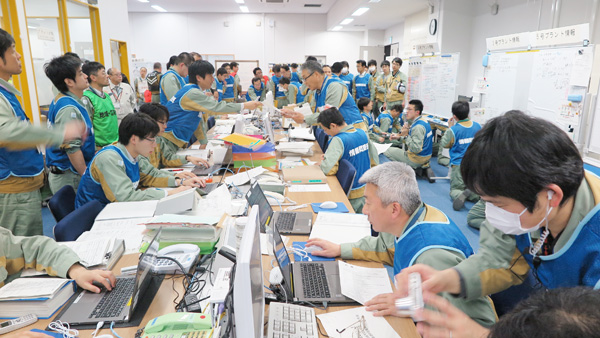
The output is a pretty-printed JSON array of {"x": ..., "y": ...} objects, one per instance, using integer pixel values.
[{"x": 174, "y": 170}]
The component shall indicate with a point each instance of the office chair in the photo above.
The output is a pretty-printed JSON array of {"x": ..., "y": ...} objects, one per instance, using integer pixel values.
[
  {"x": 505, "y": 301},
  {"x": 78, "y": 221},
  {"x": 62, "y": 203},
  {"x": 322, "y": 139},
  {"x": 345, "y": 175},
  {"x": 210, "y": 123}
]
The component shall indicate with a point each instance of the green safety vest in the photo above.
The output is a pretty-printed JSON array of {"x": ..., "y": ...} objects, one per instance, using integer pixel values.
[{"x": 105, "y": 121}]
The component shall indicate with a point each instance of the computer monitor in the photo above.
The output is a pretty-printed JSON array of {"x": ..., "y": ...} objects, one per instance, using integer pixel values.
[{"x": 248, "y": 292}]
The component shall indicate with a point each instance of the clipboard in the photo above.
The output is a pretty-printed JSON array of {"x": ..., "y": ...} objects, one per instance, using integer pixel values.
[{"x": 311, "y": 174}]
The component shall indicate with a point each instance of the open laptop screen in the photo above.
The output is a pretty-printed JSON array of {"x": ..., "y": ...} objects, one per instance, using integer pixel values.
[
  {"x": 255, "y": 196},
  {"x": 283, "y": 260},
  {"x": 144, "y": 270}
]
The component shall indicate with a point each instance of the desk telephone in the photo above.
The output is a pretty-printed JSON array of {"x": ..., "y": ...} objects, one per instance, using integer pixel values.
[
  {"x": 179, "y": 325},
  {"x": 185, "y": 254}
]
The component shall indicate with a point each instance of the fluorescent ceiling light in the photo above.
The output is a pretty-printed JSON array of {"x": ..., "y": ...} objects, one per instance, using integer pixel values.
[
  {"x": 375, "y": 1},
  {"x": 158, "y": 8},
  {"x": 336, "y": 28},
  {"x": 239, "y": 1},
  {"x": 31, "y": 27},
  {"x": 346, "y": 21},
  {"x": 144, "y": 0},
  {"x": 360, "y": 11},
  {"x": 244, "y": 9}
]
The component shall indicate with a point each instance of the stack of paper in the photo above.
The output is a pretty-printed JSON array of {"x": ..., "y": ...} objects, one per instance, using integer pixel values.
[
  {"x": 100, "y": 253},
  {"x": 123, "y": 210},
  {"x": 302, "y": 148},
  {"x": 363, "y": 284},
  {"x": 130, "y": 230},
  {"x": 39, "y": 296},
  {"x": 171, "y": 220},
  {"x": 340, "y": 227},
  {"x": 301, "y": 133}
]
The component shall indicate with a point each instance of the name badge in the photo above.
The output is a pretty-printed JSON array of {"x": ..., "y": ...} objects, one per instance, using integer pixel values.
[{"x": 117, "y": 105}]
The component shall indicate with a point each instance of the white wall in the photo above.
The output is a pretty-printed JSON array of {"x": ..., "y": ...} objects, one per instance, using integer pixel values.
[
  {"x": 291, "y": 39},
  {"x": 114, "y": 20},
  {"x": 396, "y": 33}
]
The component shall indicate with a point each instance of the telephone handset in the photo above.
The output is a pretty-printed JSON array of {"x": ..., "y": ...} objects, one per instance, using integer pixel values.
[
  {"x": 274, "y": 198},
  {"x": 179, "y": 325},
  {"x": 185, "y": 254}
]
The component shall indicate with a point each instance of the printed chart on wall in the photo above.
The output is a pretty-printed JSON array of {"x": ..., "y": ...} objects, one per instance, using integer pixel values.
[
  {"x": 549, "y": 84},
  {"x": 432, "y": 79}
]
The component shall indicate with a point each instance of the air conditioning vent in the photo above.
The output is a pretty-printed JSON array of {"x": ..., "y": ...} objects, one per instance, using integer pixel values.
[{"x": 312, "y": 5}]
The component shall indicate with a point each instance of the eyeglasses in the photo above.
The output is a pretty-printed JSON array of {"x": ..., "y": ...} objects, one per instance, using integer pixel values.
[
  {"x": 164, "y": 123},
  {"x": 153, "y": 140},
  {"x": 306, "y": 78}
]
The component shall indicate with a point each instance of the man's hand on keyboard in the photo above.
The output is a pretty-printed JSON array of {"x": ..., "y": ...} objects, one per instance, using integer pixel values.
[
  {"x": 84, "y": 278},
  {"x": 197, "y": 161},
  {"x": 185, "y": 174},
  {"x": 329, "y": 249}
]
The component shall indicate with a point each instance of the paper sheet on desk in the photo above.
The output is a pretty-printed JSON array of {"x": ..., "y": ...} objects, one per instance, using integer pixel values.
[
  {"x": 266, "y": 248},
  {"x": 301, "y": 133},
  {"x": 375, "y": 327},
  {"x": 244, "y": 177},
  {"x": 130, "y": 230},
  {"x": 216, "y": 203},
  {"x": 309, "y": 188},
  {"x": 122, "y": 210},
  {"x": 22, "y": 288},
  {"x": 363, "y": 284},
  {"x": 340, "y": 227},
  {"x": 381, "y": 148}
]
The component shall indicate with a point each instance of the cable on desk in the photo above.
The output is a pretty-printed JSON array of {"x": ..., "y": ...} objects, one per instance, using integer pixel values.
[
  {"x": 229, "y": 303},
  {"x": 113, "y": 330}
]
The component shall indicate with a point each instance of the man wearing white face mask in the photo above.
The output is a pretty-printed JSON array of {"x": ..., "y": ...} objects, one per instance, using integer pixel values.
[{"x": 542, "y": 213}]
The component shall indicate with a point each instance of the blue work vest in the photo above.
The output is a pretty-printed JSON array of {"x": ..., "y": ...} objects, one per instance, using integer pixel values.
[
  {"x": 163, "y": 97},
  {"x": 228, "y": 90},
  {"x": 362, "y": 86},
  {"x": 89, "y": 189},
  {"x": 58, "y": 157},
  {"x": 385, "y": 116},
  {"x": 463, "y": 136},
  {"x": 356, "y": 150},
  {"x": 422, "y": 236},
  {"x": 220, "y": 90},
  {"x": 299, "y": 96},
  {"x": 21, "y": 163},
  {"x": 182, "y": 122},
  {"x": 427, "y": 149},
  {"x": 257, "y": 92},
  {"x": 278, "y": 93},
  {"x": 577, "y": 263},
  {"x": 348, "y": 108},
  {"x": 368, "y": 118},
  {"x": 347, "y": 80},
  {"x": 295, "y": 77}
]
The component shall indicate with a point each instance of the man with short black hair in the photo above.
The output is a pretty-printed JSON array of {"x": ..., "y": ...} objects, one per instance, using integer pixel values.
[
  {"x": 336, "y": 69},
  {"x": 259, "y": 73},
  {"x": 21, "y": 164},
  {"x": 274, "y": 87},
  {"x": 395, "y": 85},
  {"x": 256, "y": 91},
  {"x": 347, "y": 143},
  {"x": 291, "y": 90},
  {"x": 120, "y": 93},
  {"x": 389, "y": 123},
  {"x": 173, "y": 79},
  {"x": 458, "y": 137},
  {"x": 153, "y": 80},
  {"x": 190, "y": 104},
  {"x": 418, "y": 137},
  {"x": 67, "y": 163},
  {"x": 295, "y": 75},
  {"x": 220, "y": 84},
  {"x": 237, "y": 86},
  {"x": 99, "y": 105},
  {"x": 347, "y": 77},
  {"x": 379, "y": 87},
  {"x": 362, "y": 83},
  {"x": 114, "y": 173},
  {"x": 196, "y": 56}
]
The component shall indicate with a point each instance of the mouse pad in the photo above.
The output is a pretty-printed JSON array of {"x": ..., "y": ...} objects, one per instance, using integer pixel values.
[
  {"x": 340, "y": 208},
  {"x": 302, "y": 257}
]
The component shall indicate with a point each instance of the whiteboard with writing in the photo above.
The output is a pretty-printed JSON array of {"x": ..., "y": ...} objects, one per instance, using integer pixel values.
[
  {"x": 432, "y": 79},
  {"x": 538, "y": 82}
]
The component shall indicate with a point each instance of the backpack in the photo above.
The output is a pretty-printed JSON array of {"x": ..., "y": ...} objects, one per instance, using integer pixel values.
[{"x": 153, "y": 80}]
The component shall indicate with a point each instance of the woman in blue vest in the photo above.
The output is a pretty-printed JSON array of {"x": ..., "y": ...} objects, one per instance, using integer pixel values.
[
  {"x": 21, "y": 164},
  {"x": 542, "y": 212},
  {"x": 68, "y": 162}
]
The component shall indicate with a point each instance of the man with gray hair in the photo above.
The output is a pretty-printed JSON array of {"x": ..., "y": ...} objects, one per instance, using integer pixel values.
[
  {"x": 121, "y": 94},
  {"x": 411, "y": 232},
  {"x": 329, "y": 92}
]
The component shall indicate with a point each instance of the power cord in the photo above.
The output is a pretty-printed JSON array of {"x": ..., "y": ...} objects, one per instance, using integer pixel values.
[{"x": 64, "y": 328}]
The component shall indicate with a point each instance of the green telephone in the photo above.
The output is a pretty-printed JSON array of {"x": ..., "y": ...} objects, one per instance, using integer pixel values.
[{"x": 179, "y": 325}]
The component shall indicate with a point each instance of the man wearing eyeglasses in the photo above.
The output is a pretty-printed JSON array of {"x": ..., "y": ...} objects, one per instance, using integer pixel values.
[
  {"x": 329, "y": 92},
  {"x": 114, "y": 173}
]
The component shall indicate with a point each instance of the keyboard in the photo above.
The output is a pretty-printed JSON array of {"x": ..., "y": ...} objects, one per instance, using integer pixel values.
[
  {"x": 208, "y": 188},
  {"x": 113, "y": 302},
  {"x": 285, "y": 221},
  {"x": 314, "y": 281},
  {"x": 291, "y": 321}
]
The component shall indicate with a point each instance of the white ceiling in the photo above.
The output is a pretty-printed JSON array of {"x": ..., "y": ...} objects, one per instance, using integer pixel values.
[
  {"x": 381, "y": 15},
  {"x": 230, "y": 6}
]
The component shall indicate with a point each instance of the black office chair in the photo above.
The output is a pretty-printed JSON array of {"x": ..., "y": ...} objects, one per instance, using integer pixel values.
[
  {"x": 322, "y": 139},
  {"x": 210, "y": 123},
  {"x": 62, "y": 203},
  {"x": 78, "y": 221},
  {"x": 345, "y": 175}
]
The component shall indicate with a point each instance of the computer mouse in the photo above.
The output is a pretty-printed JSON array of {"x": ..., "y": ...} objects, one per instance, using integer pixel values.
[
  {"x": 328, "y": 205},
  {"x": 99, "y": 286},
  {"x": 312, "y": 248}
]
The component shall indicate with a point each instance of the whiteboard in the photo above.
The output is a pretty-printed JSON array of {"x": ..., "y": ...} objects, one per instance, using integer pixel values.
[
  {"x": 432, "y": 79},
  {"x": 245, "y": 71},
  {"x": 539, "y": 83}
]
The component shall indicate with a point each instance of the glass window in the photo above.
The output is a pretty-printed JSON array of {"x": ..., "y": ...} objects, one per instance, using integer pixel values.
[{"x": 80, "y": 30}]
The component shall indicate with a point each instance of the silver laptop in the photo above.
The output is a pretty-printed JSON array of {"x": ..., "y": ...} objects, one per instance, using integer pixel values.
[
  {"x": 287, "y": 222},
  {"x": 220, "y": 156},
  {"x": 119, "y": 304},
  {"x": 313, "y": 282}
]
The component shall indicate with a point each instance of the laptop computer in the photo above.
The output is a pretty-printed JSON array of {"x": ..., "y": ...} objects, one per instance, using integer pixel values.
[
  {"x": 119, "y": 304},
  {"x": 313, "y": 282},
  {"x": 220, "y": 156},
  {"x": 287, "y": 222},
  {"x": 212, "y": 186}
]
